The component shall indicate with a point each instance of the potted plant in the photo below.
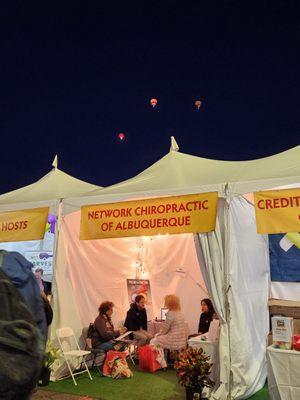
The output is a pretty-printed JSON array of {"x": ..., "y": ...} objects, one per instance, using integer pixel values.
[
  {"x": 193, "y": 369},
  {"x": 51, "y": 355}
]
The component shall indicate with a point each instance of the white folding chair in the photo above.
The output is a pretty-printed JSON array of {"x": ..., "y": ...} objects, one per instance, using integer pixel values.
[{"x": 67, "y": 339}]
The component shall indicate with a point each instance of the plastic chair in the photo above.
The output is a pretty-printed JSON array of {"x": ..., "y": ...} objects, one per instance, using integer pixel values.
[{"x": 67, "y": 338}]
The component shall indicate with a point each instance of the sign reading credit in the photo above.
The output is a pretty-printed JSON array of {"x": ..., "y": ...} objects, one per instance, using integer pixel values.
[
  {"x": 23, "y": 225},
  {"x": 277, "y": 211},
  {"x": 181, "y": 214}
]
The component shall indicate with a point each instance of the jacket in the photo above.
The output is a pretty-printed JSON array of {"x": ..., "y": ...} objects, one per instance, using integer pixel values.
[
  {"x": 136, "y": 319},
  {"x": 103, "y": 330},
  {"x": 19, "y": 270},
  {"x": 204, "y": 322},
  {"x": 48, "y": 310},
  {"x": 173, "y": 334}
]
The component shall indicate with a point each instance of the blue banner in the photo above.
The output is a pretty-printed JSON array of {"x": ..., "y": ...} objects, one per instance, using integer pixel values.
[{"x": 284, "y": 259}]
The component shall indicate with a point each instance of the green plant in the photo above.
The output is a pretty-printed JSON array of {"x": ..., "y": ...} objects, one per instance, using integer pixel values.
[
  {"x": 193, "y": 369},
  {"x": 51, "y": 354}
]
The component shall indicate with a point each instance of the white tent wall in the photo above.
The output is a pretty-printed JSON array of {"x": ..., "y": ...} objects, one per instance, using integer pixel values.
[
  {"x": 91, "y": 271},
  {"x": 248, "y": 263},
  {"x": 210, "y": 250}
]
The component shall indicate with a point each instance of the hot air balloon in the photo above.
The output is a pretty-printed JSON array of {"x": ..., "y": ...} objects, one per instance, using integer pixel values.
[
  {"x": 121, "y": 136},
  {"x": 153, "y": 102},
  {"x": 198, "y": 104}
]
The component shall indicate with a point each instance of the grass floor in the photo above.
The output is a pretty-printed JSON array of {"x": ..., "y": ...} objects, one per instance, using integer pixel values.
[
  {"x": 263, "y": 394},
  {"x": 143, "y": 386}
]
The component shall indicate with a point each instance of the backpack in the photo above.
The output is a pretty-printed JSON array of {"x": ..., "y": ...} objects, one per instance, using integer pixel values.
[
  {"x": 90, "y": 331},
  {"x": 21, "y": 347}
]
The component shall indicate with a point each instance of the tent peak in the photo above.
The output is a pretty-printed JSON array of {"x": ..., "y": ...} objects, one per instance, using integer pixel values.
[
  {"x": 174, "y": 145},
  {"x": 55, "y": 161}
]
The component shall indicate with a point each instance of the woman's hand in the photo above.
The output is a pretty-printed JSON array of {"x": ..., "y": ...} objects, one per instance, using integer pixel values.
[{"x": 122, "y": 330}]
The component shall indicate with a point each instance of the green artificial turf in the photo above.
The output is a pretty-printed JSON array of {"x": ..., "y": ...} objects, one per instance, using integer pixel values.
[
  {"x": 263, "y": 394},
  {"x": 143, "y": 386}
]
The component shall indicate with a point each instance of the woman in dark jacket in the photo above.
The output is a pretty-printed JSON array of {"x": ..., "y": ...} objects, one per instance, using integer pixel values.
[
  {"x": 103, "y": 330},
  {"x": 206, "y": 316},
  {"x": 47, "y": 308}
]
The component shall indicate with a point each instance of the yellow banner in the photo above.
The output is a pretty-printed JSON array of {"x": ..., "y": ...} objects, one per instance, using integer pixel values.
[
  {"x": 23, "y": 225},
  {"x": 168, "y": 215},
  {"x": 277, "y": 211}
]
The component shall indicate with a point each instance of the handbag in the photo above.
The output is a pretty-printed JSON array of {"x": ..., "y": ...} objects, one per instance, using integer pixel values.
[
  {"x": 115, "y": 365},
  {"x": 148, "y": 359}
]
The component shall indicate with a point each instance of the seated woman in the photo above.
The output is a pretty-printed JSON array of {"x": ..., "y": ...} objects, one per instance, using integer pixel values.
[
  {"x": 104, "y": 332},
  {"x": 173, "y": 335},
  {"x": 206, "y": 316}
]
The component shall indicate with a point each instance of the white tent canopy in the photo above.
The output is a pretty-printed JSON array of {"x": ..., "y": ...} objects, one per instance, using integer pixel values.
[
  {"x": 233, "y": 260},
  {"x": 179, "y": 170},
  {"x": 53, "y": 186},
  {"x": 46, "y": 192},
  {"x": 178, "y": 173}
]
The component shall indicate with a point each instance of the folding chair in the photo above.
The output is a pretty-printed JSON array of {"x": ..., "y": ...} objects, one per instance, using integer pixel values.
[
  {"x": 129, "y": 345},
  {"x": 66, "y": 338},
  {"x": 88, "y": 347}
]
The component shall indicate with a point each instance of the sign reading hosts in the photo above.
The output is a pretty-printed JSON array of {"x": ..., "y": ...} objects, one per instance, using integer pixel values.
[
  {"x": 181, "y": 214},
  {"x": 277, "y": 211},
  {"x": 23, "y": 225}
]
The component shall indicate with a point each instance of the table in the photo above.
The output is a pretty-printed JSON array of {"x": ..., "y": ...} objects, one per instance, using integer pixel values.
[
  {"x": 154, "y": 327},
  {"x": 211, "y": 349},
  {"x": 283, "y": 374}
]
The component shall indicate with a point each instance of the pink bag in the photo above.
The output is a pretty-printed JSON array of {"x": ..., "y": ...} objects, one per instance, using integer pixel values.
[{"x": 147, "y": 359}]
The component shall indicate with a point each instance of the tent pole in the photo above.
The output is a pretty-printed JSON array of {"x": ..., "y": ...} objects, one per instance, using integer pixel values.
[
  {"x": 54, "y": 287},
  {"x": 227, "y": 287}
]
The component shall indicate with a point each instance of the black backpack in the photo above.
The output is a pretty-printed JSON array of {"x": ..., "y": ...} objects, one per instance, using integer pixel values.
[
  {"x": 90, "y": 331},
  {"x": 21, "y": 347}
]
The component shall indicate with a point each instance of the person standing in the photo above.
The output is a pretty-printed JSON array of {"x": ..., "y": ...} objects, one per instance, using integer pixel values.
[
  {"x": 47, "y": 308},
  {"x": 42, "y": 284},
  {"x": 19, "y": 270},
  {"x": 136, "y": 321}
]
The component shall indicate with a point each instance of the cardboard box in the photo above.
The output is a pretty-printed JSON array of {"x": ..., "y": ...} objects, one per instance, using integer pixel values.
[
  {"x": 270, "y": 339},
  {"x": 296, "y": 326},
  {"x": 285, "y": 308}
]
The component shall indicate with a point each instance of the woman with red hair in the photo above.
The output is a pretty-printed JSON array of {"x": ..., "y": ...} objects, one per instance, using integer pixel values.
[{"x": 103, "y": 330}]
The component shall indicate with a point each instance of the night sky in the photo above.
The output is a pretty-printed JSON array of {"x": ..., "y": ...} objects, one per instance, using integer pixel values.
[{"x": 76, "y": 73}]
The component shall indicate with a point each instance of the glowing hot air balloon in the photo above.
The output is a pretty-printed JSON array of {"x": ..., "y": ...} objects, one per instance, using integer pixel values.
[
  {"x": 121, "y": 136},
  {"x": 153, "y": 102},
  {"x": 198, "y": 104}
]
